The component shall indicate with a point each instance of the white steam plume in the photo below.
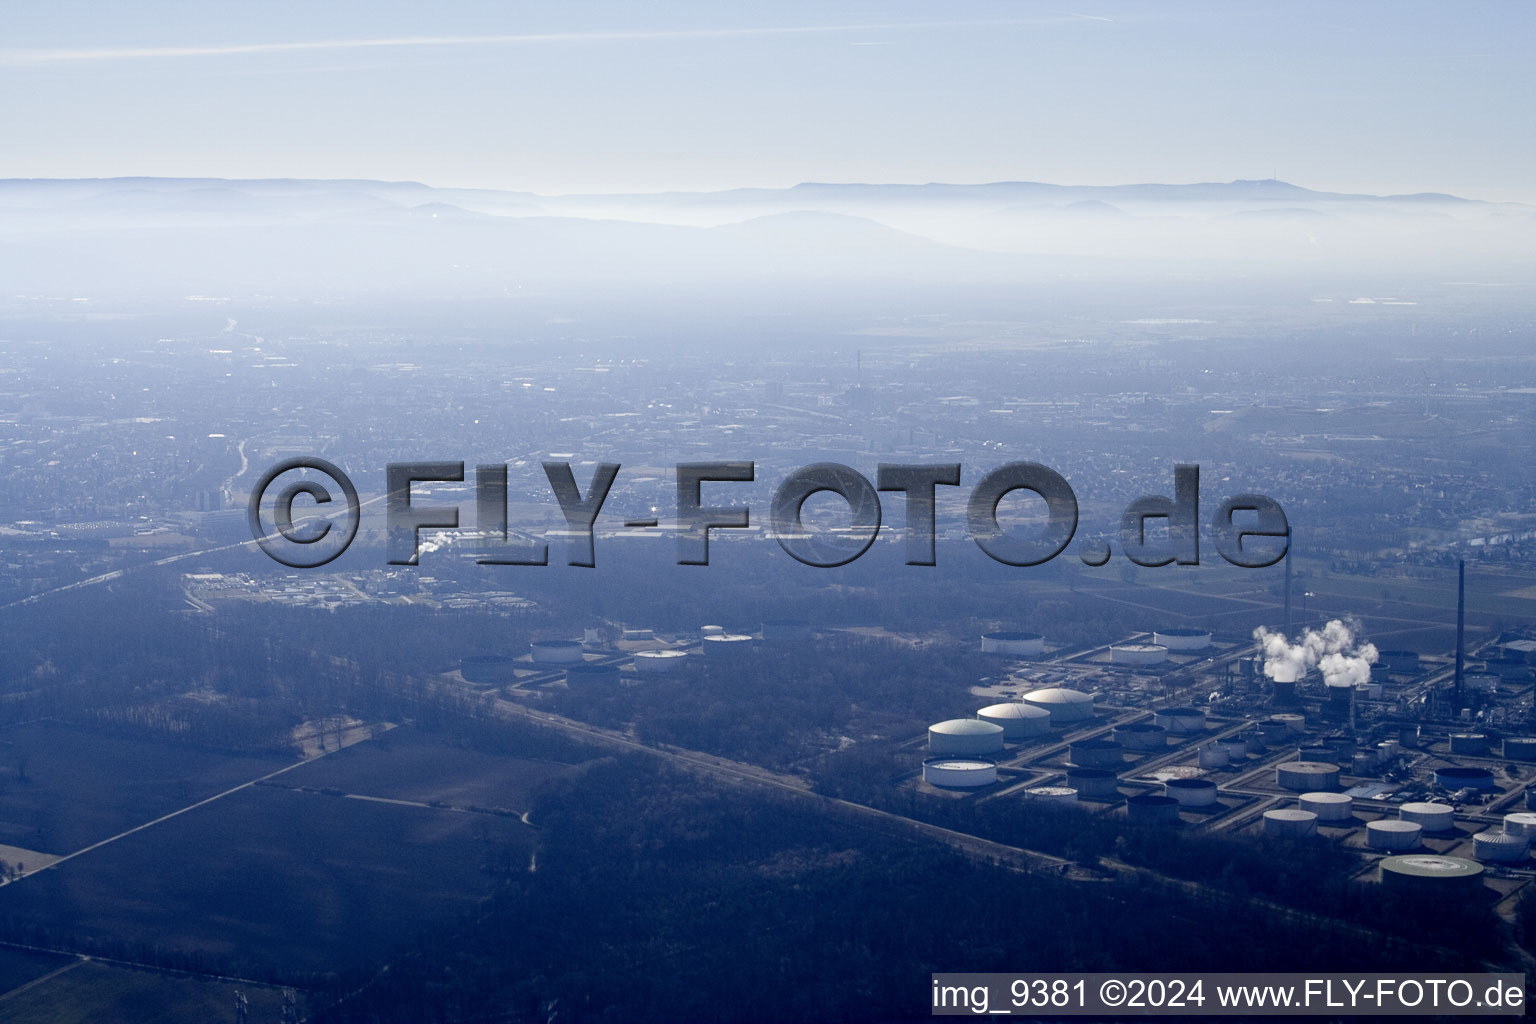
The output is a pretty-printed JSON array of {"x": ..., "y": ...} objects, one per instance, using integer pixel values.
[{"x": 1333, "y": 650}]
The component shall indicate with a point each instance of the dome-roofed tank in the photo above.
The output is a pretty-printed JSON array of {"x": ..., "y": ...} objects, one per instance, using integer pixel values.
[
  {"x": 1065, "y": 705},
  {"x": 1500, "y": 847},
  {"x": 965, "y": 736},
  {"x": 1019, "y": 720}
]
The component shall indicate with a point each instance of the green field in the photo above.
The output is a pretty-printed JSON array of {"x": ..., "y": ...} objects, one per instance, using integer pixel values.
[{"x": 97, "y": 993}]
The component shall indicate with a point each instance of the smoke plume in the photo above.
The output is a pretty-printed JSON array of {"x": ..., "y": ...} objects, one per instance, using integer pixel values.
[{"x": 1333, "y": 650}]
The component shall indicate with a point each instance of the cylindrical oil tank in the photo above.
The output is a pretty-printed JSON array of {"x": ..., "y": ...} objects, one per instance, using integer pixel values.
[
  {"x": 1191, "y": 792},
  {"x": 1094, "y": 783},
  {"x": 1142, "y": 736},
  {"x": 959, "y": 773},
  {"x": 1431, "y": 875},
  {"x": 1364, "y": 763},
  {"x": 1016, "y": 643},
  {"x": 1329, "y": 807},
  {"x": 1275, "y": 733},
  {"x": 786, "y": 630},
  {"x": 1521, "y": 823},
  {"x": 1052, "y": 794},
  {"x": 1530, "y": 797},
  {"x": 1183, "y": 639},
  {"x": 1096, "y": 753},
  {"x": 727, "y": 645},
  {"x": 1408, "y": 736},
  {"x": 1181, "y": 721},
  {"x": 659, "y": 662},
  {"x": 1213, "y": 756},
  {"x": 1317, "y": 752},
  {"x": 1019, "y": 720},
  {"x": 1470, "y": 744},
  {"x": 1500, "y": 847},
  {"x": 711, "y": 630},
  {"x": 1289, "y": 824},
  {"x": 488, "y": 668},
  {"x": 1520, "y": 748},
  {"x": 1253, "y": 742},
  {"x": 1297, "y": 724},
  {"x": 1398, "y": 663},
  {"x": 1236, "y": 748},
  {"x": 1434, "y": 817},
  {"x": 1387, "y": 751},
  {"x": 1392, "y": 835},
  {"x": 1307, "y": 776},
  {"x": 555, "y": 652},
  {"x": 1457, "y": 777},
  {"x": 965, "y": 736},
  {"x": 1065, "y": 705},
  {"x": 1137, "y": 655},
  {"x": 592, "y": 677},
  {"x": 1151, "y": 809}
]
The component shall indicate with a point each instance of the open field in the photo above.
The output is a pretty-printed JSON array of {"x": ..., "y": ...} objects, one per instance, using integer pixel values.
[
  {"x": 275, "y": 877},
  {"x": 95, "y": 993},
  {"x": 63, "y": 788},
  {"x": 21, "y": 966}
]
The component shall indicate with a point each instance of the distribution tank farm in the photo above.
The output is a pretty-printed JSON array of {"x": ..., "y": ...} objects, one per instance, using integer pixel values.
[
  {"x": 726, "y": 646},
  {"x": 1094, "y": 783},
  {"x": 1181, "y": 721},
  {"x": 592, "y": 677},
  {"x": 650, "y": 663},
  {"x": 1392, "y": 835},
  {"x": 1151, "y": 809},
  {"x": 1307, "y": 776},
  {"x": 1096, "y": 754},
  {"x": 1329, "y": 807},
  {"x": 1499, "y": 847},
  {"x": 1432, "y": 875},
  {"x": 959, "y": 773},
  {"x": 1137, "y": 655},
  {"x": 1191, "y": 792},
  {"x": 555, "y": 652},
  {"x": 1016, "y": 643},
  {"x": 1065, "y": 705},
  {"x": 965, "y": 736},
  {"x": 1433, "y": 817},
  {"x": 1289, "y": 824},
  {"x": 1142, "y": 736},
  {"x": 1019, "y": 720},
  {"x": 1183, "y": 639}
]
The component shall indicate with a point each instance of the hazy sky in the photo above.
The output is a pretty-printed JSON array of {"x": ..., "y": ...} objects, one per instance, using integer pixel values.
[{"x": 553, "y": 98}]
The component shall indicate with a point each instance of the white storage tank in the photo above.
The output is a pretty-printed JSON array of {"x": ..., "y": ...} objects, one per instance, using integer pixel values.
[
  {"x": 1434, "y": 817},
  {"x": 711, "y": 630},
  {"x": 1289, "y": 824},
  {"x": 659, "y": 662},
  {"x": 1191, "y": 792},
  {"x": 1137, "y": 655},
  {"x": 1142, "y": 736},
  {"x": 726, "y": 645},
  {"x": 1052, "y": 794},
  {"x": 555, "y": 652},
  {"x": 1297, "y": 724},
  {"x": 1213, "y": 756},
  {"x": 1392, "y": 835},
  {"x": 1183, "y": 639},
  {"x": 1500, "y": 847},
  {"x": 1181, "y": 721},
  {"x": 1329, "y": 807},
  {"x": 965, "y": 736},
  {"x": 1019, "y": 720},
  {"x": 1094, "y": 783},
  {"x": 956, "y": 773},
  {"x": 1520, "y": 823},
  {"x": 1307, "y": 776},
  {"x": 1065, "y": 705},
  {"x": 1017, "y": 643}
]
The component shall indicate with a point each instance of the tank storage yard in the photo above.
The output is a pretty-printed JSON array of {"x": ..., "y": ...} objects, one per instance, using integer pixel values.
[{"x": 1413, "y": 764}]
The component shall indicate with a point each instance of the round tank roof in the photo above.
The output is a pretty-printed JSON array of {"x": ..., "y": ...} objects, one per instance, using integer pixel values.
[
  {"x": 1328, "y": 798},
  {"x": 966, "y": 727},
  {"x": 1189, "y": 784},
  {"x": 959, "y": 764},
  {"x": 1424, "y": 865},
  {"x": 1013, "y": 710},
  {"x": 1057, "y": 695}
]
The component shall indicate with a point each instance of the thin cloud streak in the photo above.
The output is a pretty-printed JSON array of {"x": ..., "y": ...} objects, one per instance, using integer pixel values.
[{"x": 30, "y": 58}]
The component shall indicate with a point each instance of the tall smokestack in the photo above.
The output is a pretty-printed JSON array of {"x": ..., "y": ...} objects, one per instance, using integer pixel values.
[{"x": 1461, "y": 625}]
